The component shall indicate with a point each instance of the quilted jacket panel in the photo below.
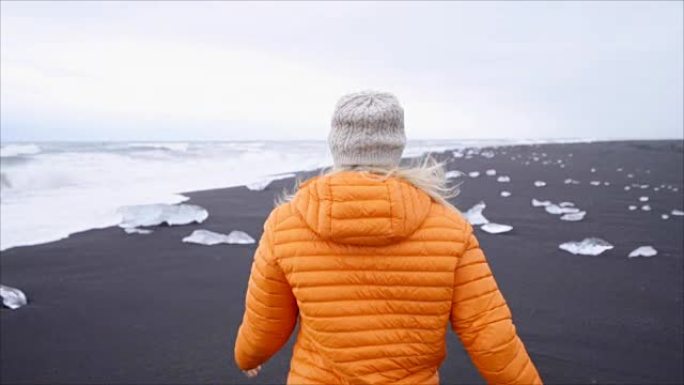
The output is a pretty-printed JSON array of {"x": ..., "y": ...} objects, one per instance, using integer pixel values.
[{"x": 375, "y": 271}]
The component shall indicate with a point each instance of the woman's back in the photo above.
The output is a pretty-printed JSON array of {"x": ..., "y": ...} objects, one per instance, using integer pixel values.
[{"x": 377, "y": 271}]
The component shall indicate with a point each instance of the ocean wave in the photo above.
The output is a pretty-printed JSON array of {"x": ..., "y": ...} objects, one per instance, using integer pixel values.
[
  {"x": 10, "y": 150},
  {"x": 167, "y": 146}
]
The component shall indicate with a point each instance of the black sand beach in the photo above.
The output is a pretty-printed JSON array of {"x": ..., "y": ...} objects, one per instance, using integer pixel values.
[{"x": 107, "y": 307}]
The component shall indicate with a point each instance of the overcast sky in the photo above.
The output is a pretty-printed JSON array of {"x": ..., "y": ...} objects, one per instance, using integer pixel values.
[{"x": 226, "y": 70}]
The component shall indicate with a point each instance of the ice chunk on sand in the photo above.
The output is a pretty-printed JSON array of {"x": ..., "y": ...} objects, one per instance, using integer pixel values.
[
  {"x": 677, "y": 213},
  {"x": 606, "y": 183},
  {"x": 595, "y": 183},
  {"x": 157, "y": 214},
  {"x": 643, "y": 199},
  {"x": 503, "y": 179},
  {"x": 665, "y": 216},
  {"x": 210, "y": 238},
  {"x": 588, "y": 246},
  {"x": 496, "y": 228},
  {"x": 474, "y": 174},
  {"x": 627, "y": 188},
  {"x": 566, "y": 204},
  {"x": 453, "y": 174},
  {"x": 12, "y": 298},
  {"x": 457, "y": 154},
  {"x": 259, "y": 186},
  {"x": 571, "y": 181},
  {"x": 490, "y": 172},
  {"x": 593, "y": 170},
  {"x": 646, "y": 208},
  {"x": 643, "y": 251},
  {"x": 573, "y": 217},
  {"x": 632, "y": 207},
  {"x": 630, "y": 176},
  {"x": 619, "y": 169},
  {"x": 474, "y": 214},
  {"x": 135, "y": 230},
  {"x": 644, "y": 186},
  {"x": 539, "y": 183},
  {"x": 557, "y": 210},
  {"x": 536, "y": 203},
  {"x": 262, "y": 184},
  {"x": 487, "y": 154},
  {"x": 505, "y": 194}
]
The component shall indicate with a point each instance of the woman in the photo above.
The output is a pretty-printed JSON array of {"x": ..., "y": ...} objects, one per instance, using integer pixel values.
[{"x": 375, "y": 263}]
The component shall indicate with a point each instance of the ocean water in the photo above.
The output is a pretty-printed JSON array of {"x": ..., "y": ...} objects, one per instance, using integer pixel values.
[{"x": 49, "y": 190}]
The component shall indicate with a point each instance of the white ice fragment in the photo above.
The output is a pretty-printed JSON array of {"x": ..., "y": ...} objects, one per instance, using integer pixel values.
[
  {"x": 619, "y": 169},
  {"x": 573, "y": 217},
  {"x": 453, "y": 174},
  {"x": 632, "y": 207},
  {"x": 627, "y": 188},
  {"x": 262, "y": 184},
  {"x": 557, "y": 210},
  {"x": 259, "y": 186},
  {"x": 656, "y": 189},
  {"x": 505, "y": 194},
  {"x": 503, "y": 179},
  {"x": 539, "y": 183},
  {"x": 457, "y": 154},
  {"x": 474, "y": 174},
  {"x": 566, "y": 204},
  {"x": 487, "y": 154},
  {"x": 677, "y": 213},
  {"x": 588, "y": 246},
  {"x": 595, "y": 183},
  {"x": 12, "y": 298},
  {"x": 630, "y": 175},
  {"x": 571, "y": 181},
  {"x": 643, "y": 251},
  {"x": 537, "y": 203},
  {"x": 496, "y": 228},
  {"x": 157, "y": 214},
  {"x": 665, "y": 216},
  {"x": 644, "y": 186},
  {"x": 646, "y": 208},
  {"x": 210, "y": 238},
  {"x": 135, "y": 230},
  {"x": 474, "y": 214},
  {"x": 490, "y": 172},
  {"x": 593, "y": 170},
  {"x": 606, "y": 183},
  {"x": 643, "y": 199}
]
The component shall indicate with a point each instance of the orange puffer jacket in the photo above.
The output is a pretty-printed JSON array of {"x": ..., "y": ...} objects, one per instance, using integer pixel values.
[{"x": 375, "y": 270}]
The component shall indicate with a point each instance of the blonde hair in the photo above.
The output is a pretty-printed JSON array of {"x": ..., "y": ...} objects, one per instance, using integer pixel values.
[{"x": 426, "y": 174}]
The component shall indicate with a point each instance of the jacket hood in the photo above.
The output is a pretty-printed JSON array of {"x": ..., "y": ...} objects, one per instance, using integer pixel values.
[{"x": 360, "y": 208}]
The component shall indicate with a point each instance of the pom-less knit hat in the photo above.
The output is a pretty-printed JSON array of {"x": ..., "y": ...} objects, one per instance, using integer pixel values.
[{"x": 367, "y": 129}]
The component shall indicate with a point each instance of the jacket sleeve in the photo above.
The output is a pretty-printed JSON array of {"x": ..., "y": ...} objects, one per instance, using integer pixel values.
[
  {"x": 482, "y": 320},
  {"x": 270, "y": 307}
]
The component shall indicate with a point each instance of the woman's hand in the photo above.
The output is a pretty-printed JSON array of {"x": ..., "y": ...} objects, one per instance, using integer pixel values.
[{"x": 252, "y": 372}]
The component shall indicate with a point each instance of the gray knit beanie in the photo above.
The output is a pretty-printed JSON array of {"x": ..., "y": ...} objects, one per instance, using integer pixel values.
[{"x": 367, "y": 129}]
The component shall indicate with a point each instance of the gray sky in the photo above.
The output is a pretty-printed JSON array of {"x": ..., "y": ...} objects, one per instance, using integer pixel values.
[{"x": 227, "y": 70}]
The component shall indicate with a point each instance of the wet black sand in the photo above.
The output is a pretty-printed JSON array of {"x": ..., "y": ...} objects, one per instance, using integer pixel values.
[{"x": 107, "y": 307}]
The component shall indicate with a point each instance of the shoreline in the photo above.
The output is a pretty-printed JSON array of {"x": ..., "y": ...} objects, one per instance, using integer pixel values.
[{"x": 109, "y": 307}]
